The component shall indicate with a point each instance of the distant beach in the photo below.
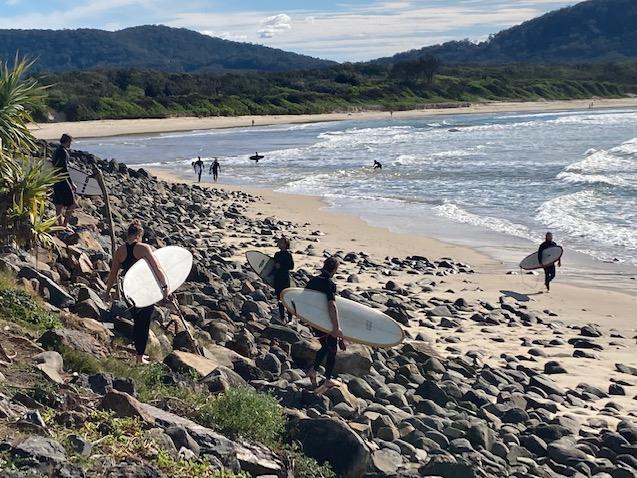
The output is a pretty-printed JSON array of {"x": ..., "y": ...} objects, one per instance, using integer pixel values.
[{"x": 104, "y": 128}]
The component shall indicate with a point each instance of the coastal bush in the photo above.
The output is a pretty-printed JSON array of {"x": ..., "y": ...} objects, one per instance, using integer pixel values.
[
  {"x": 306, "y": 467},
  {"x": 192, "y": 468},
  {"x": 17, "y": 305},
  {"x": 244, "y": 412}
]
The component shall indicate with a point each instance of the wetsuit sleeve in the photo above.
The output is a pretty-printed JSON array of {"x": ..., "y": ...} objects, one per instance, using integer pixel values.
[
  {"x": 60, "y": 159},
  {"x": 331, "y": 291},
  {"x": 287, "y": 262},
  {"x": 540, "y": 251}
]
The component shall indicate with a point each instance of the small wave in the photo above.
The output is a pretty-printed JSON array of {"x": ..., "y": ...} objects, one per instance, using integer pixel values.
[
  {"x": 456, "y": 213},
  {"x": 576, "y": 178}
]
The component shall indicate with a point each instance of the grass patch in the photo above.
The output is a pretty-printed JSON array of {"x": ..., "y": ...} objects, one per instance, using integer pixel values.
[
  {"x": 192, "y": 468},
  {"x": 17, "y": 305},
  {"x": 244, "y": 412},
  {"x": 306, "y": 467}
]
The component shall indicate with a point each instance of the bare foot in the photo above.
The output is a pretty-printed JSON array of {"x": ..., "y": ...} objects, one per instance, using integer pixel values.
[
  {"x": 141, "y": 360},
  {"x": 329, "y": 383}
]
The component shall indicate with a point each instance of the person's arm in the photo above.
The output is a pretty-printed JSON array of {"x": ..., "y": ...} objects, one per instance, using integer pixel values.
[
  {"x": 289, "y": 262},
  {"x": 155, "y": 266},
  {"x": 336, "y": 326},
  {"x": 539, "y": 253},
  {"x": 116, "y": 264}
]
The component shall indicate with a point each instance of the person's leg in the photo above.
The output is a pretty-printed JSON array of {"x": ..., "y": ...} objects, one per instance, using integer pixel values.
[
  {"x": 59, "y": 214},
  {"x": 281, "y": 312},
  {"x": 318, "y": 360},
  {"x": 69, "y": 213},
  {"x": 332, "y": 343},
  {"x": 141, "y": 329},
  {"x": 546, "y": 278}
]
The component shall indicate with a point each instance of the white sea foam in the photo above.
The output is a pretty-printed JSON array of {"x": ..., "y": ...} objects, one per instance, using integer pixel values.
[{"x": 456, "y": 213}]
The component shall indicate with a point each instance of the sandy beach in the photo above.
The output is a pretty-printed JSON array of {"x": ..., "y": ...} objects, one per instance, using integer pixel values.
[
  {"x": 105, "y": 128},
  {"x": 573, "y": 305}
]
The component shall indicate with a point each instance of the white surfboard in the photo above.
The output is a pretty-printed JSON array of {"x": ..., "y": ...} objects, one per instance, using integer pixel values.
[
  {"x": 359, "y": 323},
  {"x": 550, "y": 256},
  {"x": 263, "y": 265},
  {"x": 86, "y": 184},
  {"x": 140, "y": 285}
]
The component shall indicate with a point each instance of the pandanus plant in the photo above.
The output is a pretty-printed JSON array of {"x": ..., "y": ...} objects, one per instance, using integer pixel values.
[{"x": 25, "y": 180}]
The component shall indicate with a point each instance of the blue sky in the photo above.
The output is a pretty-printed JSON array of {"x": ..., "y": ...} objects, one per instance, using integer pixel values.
[{"x": 346, "y": 30}]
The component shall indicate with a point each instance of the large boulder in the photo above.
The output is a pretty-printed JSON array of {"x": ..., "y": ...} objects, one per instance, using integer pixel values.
[
  {"x": 356, "y": 360},
  {"x": 59, "y": 339},
  {"x": 53, "y": 293},
  {"x": 331, "y": 440},
  {"x": 44, "y": 450}
]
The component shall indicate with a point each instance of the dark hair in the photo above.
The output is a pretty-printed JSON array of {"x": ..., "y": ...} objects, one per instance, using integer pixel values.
[
  {"x": 286, "y": 240},
  {"x": 65, "y": 138},
  {"x": 135, "y": 228},
  {"x": 330, "y": 264}
]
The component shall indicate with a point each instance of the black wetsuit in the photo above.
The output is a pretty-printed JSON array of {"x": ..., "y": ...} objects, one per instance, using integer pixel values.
[
  {"x": 214, "y": 168},
  {"x": 549, "y": 271},
  {"x": 198, "y": 169},
  {"x": 141, "y": 317},
  {"x": 281, "y": 276},
  {"x": 62, "y": 191},
  {"x": 329, "y": 344},
  {"x": 377, "y": 165}
]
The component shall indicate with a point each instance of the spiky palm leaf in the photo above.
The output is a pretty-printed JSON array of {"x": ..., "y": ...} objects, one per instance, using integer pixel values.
[{"x": 17, "y": 95}]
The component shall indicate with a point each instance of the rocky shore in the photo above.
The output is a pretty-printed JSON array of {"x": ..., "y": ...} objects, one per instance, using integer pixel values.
[{"x": 442, "y": 404}]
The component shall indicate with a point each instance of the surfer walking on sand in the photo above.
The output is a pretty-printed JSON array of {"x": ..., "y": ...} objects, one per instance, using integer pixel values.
[
  {"x": 330, "y": 341},
  {"x": 283, "y": 264},
  {"x": 549, "y": 271},
  {"x": 64, "y": 190},
  {"x": 125, "y": 256},
  {"x": 198, "y": 167},
  {"x": 214, "y": 169}
]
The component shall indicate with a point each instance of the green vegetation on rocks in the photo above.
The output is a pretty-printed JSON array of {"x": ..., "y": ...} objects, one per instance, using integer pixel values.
[{"x": 20, "y": 307}]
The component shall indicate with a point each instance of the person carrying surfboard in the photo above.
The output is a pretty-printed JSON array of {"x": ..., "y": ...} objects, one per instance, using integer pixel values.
[
  {"x": 549, "y": 270},
  {"x": 283, "y": 264},
  {"x": 125, "y": 256},
  {"x": 198, "y": 167},
  {"x": 330, "y": 341},
  {"x": 64, "y": 190}
]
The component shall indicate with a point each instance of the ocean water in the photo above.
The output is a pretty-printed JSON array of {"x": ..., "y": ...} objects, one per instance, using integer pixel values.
[{"x": 485, "y": 180}]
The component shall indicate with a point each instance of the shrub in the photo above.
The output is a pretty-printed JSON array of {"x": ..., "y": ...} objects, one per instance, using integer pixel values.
[
  {"x": 244, "y": 412},
  {"x": 192, "y": 468},
  {"x": 306, "y": 467},
  {"x": 19, "y": 306}
]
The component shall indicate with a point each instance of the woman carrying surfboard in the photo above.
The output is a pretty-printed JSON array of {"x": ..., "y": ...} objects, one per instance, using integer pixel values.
[
  {"x": 125, "y": 256},
  {"x": 283, "y": 264},
  {"x": 330, "y": 341}
]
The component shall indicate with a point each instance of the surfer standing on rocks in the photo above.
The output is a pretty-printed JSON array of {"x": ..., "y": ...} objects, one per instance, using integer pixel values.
[
  {"x": 330, "y": 341},
  {"x": 283, "y": 264},
  {"x": 549, "y": 271},
  {"x": 125, "y": 256},
  {"x": 64, "y": 190}
]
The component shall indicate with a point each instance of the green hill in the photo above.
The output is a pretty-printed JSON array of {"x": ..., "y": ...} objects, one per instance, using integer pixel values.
[
  {"x": 593, "y": 30},
  {"x": 149, "y": 47}
]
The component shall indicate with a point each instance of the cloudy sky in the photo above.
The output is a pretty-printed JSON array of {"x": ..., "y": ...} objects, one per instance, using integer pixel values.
[{"x": 342, "y": 30}]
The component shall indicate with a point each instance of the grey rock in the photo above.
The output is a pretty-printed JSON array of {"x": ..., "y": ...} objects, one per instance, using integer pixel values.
[{"x": 42, "y": 449}]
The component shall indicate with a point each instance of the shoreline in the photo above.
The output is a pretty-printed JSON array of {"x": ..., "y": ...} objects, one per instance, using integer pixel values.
[
  {"x": 581, "y": 302},
  {"x": 108, "y": 128}
]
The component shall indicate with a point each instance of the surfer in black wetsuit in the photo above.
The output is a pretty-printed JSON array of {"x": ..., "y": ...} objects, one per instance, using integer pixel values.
[
  {"x": 125, "y": 256},
  {"x": 549, "y": 271},
  {"x": 198, "y": 167},
  {"x": 283, "y": 264},
  {"x": 377, "y": 165},
  {"x": 329, "y": 341},
  {"x": 63, "y": 191},
  {"x": 214, "y": 169}
]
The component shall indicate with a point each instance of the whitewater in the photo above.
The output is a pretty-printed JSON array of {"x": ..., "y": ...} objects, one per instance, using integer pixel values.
[{"x": 482, "y": 180}]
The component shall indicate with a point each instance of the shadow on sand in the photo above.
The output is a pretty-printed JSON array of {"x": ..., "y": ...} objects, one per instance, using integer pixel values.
[{"x": 519, "y": 296}]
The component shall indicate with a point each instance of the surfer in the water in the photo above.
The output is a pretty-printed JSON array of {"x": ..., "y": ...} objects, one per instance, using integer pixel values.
[
  {"x": 125, "y": 256},
  {"x": 283, "y": 264},
  {"x": 329, "y": 341},
  {"x": 64, "y": 190},
  {"x": 377, "y": 165},
  {"x": 549, "y": 271},
  {"x": 214, "y": 169},
  {"x": 198, "y": 167}
]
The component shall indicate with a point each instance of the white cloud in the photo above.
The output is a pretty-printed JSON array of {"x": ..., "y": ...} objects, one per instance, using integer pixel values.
[
  {"x": 232, "y": 36},
  {"x": 275, "y": 25}
]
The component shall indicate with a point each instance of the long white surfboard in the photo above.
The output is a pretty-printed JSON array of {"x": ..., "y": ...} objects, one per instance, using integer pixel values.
[
  {"x": 140, "y": 285},
  {"x": 550, "y": 256},
  {"x": 359, "y": 323}
]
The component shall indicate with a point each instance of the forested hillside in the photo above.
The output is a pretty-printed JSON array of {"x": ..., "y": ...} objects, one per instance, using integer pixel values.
[
  {"x": 143, "y": 93},
  {"x": 593, "y": 30},
  {"x": 153, "y": 47}
]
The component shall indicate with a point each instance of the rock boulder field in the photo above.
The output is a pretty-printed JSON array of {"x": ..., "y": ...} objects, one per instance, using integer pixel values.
[{"x": 439, "y": 405}]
